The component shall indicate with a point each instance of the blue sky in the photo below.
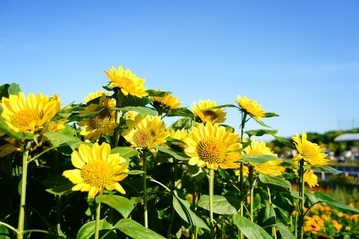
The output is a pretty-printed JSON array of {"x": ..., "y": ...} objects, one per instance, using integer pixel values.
[{"x": 299, "y": 59}]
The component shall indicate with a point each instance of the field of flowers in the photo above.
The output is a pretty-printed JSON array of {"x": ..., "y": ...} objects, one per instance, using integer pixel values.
[{"x": 110, "y": 167}]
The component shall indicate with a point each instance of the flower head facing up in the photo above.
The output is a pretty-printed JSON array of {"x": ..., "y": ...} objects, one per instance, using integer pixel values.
[
  {"x": 251, "y": 107},
  {"x": 126, "y": 81},
  {"x": 101, "y": 122},
  {"x": 310, "y": 152},
  {"x": 205, "y": 114},
  {"x": 29, "y": 114},
  {"x": 212, "y": 146},
  {"x": 97, "y": 169},
  {"x": 146, "y": 132}
]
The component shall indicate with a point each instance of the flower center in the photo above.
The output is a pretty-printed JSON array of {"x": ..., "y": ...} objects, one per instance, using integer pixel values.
[
  {"x": 101, "y": 120},
  {"x": 211, "y": 151},
  {"x": 143, "y": 138},
  {"x": 97, "y": 173},
  {"x": 308, "y": 152},
  {"x": 25, "y": 119},
  {"x": 210, "y": 115}
]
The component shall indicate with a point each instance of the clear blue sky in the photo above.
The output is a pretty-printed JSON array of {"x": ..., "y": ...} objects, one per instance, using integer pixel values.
[{"x": 299, "y": 59}]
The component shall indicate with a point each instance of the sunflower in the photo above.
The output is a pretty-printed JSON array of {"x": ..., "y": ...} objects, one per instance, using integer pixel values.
[
  {"x": 145, "y": 132},
  {"x": 212, "y": 146},
  {"x": 310, "y": 152},
  {"x": 310, "y": 178},
  {"x": 95, "y": 95},
  {"x": 96, "y": 169},
  {"x": 179, "y": 136},
  {"x": 165, "y": 103},
  {"x": 204, "y": 114},
  {"x": 128, "y": 82},
  {"x": 251, "y": 107},
  {"x": 270, "y": 167},
  {"x": 29, "y": 114},
  {"x": 101, "y": 122}
]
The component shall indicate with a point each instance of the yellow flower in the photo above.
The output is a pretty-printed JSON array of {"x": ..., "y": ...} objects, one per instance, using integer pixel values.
[
  {"x": 103, "y": 120},
  {"x": 212, "y": 146},
  {"x": 245, "y": 171},
  {"x": 94, "y": 95},
  {"x": 146, "y": 132},
  {"x": 204, "y": 114},
  {"x": 128, "y": 82},
  {"x": 180, "y": 135},
  {"x": 96, "y": 169},
  {"x": 337, "y": 225},
  {"x": 310, "y": 152},
  {"x": 165, "y": 103},
  {"x": 29, "y": 114},
  {"x": 310, "y": 178},
  {"x": 250, "y": 106},
  {"x": 271, "y": 167}
]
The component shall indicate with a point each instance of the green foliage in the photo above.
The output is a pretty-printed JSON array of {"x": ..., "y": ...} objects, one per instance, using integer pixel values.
[{"x": 165, "y": 197}]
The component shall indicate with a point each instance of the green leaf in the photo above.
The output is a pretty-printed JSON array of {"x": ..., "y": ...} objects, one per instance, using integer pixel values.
[
  {"x": 284, "y": 231},
  {"x": 135, "y": 172},
  {"x": 258, "y": 159},
  {"x": 335, "y": 204},
  {"x": 119, "y": 203},
  {"x": 182, "y": 207},
  {"x": 327, "y": 169},
  {"x": 281, "y": 182},
  {"x": 14, "y": 89},
  {"x": 175, "y": 154},
  {"x": 4, "y": 91},
  {"x": 140, "y": 109},
  {"x": 61, "y": 190},
  {"x": 125, "y": 152},
  {"x": 135, "y": 230},
  {"x": 221, "y": 204},
  {"x": 260, "y": 132},
  {"x": 180, "y": 112},
  {"x": 158, "y": 93},
  {"x": 250, "y": 229},
  {"x": 270, "y": 114},
  {"x": 59, "y": 138},
  {"x": 88, "y": 230}
]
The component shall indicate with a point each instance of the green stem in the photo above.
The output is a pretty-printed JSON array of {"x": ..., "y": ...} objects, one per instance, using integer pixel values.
[
  {"x": 301, "y": 199},
  {"x": 97, "y": 220},
  {"x": 211, "y": 192},
  {"x": 172, "y": 215},
  {"x": 251, "y": 189},
  {"x": 119, "y": 101},
  {"x": 144, "y": 178},
  {"x": 241, "y": 199},
  {"x": 25, "y": 162}
]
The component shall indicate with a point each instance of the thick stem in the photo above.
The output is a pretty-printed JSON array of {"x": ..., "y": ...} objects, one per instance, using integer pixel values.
[
  {"x": 172, "y": 215},
  {"x": 211, "y": 192},
  {"x": 97, "y": 221},
  {"x": 119, "y": 100},
  {"x": 301, "y": 199},
  {"x": 25, "y": 162},
  {"x": 251, "y": 189},
  {"x": 144, "y": 178}
]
